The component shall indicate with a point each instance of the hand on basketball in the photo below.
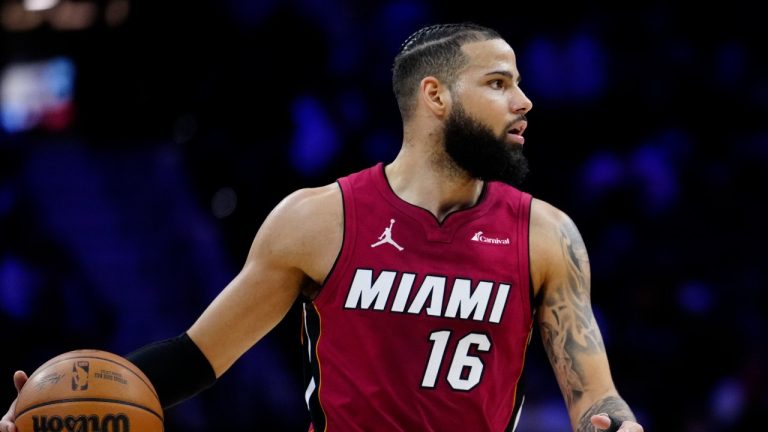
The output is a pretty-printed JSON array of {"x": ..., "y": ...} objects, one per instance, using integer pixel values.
[
  {"x": 604, "y": 423},
  {"x": 6, "y": 423}
]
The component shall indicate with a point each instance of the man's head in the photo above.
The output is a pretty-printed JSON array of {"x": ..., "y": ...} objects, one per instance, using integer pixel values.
[
  {"x": 433, "y": 51},
  {"x": 459, "y": 83}
]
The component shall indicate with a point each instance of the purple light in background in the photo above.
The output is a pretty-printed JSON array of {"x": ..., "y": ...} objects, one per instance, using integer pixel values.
[
  {"x": 353, "y": 108},
  {"x": 586, "y": 61},
  {"x": 18, "y": 288},
  {"x": 727, "y": 401},
  {"x": 615, "y": 243},
  {"x": 653, "y": 165},
  {"x": 315, "y": 141},
  {"x": 603, "y": 324},
  {"x": 251, "y": 13},
  {"x": 336, "y": 25},
  {"x": 7, "y": 199},
  {"x": 548, "y": 415},
  {"x": 382, "y": 145},
  {"x": 657, "y": 177},
  {"x": 602, "y": 172},
  {"x": 695, "y": 297},
  {"x": 730, "y": 64},
  {"x": 755, "y": 146},
  {"x": 346, "y": 52},
  {"x": 398, "y": 19},
  {"x": 541, "y": 69},
  {"x": 573, "y": 70}
]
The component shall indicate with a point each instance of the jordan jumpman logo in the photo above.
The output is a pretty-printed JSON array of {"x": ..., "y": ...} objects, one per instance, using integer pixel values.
[{"x": 386, "y": 237}]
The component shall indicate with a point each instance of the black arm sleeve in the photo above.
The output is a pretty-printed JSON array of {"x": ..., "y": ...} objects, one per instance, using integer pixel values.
[{"x": 176, "y": 368}]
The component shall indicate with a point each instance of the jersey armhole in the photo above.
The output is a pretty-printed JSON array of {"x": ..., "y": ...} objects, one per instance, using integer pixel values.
[
  {"x": 525, "y": 204},
  {"x": 347, "y": 235}
]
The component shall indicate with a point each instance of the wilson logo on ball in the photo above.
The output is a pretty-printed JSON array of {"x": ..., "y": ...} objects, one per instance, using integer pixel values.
[
  {"x": 80, "y": 375},
  {"x": 92, "y": 423}
]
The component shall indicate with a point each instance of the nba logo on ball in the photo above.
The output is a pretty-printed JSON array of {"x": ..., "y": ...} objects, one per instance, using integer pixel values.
[{"x": 80, "y": 375}]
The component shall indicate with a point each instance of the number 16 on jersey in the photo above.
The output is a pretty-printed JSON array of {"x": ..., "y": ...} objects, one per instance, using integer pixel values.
[{"x": 462, "y": 360}]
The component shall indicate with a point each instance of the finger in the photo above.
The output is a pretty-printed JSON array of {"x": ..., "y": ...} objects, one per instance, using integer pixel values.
[
  {"x": 605, "y": 422},
  {"x": 19, "y": 378},
  {"x": 601, "y": 421},
  {"x": 8, "y": 418},
  {"x": 5, "y": 423},
  {"x": 6, "y": 426},
  {"x": 615, "y": 424}
]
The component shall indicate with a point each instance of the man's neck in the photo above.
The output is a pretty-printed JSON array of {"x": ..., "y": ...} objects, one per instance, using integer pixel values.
[{"x": 430, "y": 182}]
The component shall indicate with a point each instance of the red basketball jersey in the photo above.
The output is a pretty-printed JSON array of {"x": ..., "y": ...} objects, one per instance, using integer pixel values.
[{"x": 421, "y": 325}]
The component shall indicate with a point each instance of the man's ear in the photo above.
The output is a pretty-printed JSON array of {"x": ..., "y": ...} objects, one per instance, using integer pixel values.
[{"x": 435, "y": 96}]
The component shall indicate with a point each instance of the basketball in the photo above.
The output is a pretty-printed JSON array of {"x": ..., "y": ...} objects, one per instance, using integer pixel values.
[{"x": 88, "y": 390}]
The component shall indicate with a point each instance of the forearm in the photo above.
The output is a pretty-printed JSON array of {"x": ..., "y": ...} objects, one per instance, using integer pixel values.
[{"x": 569, "y": 330}]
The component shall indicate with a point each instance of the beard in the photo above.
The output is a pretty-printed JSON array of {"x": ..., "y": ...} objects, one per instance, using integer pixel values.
[{"x": 474, "y": 149}]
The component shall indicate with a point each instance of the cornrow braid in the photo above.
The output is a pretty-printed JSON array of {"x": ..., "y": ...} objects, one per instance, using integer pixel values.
[
  {"x": 433, "y": 50},
  {"x": 434, "y": 32}
]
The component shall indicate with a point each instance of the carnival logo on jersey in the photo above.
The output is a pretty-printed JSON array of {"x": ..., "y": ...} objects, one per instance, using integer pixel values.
[
  {"x": 386, "y": 237},
  {"x": 479, "y": 237}
]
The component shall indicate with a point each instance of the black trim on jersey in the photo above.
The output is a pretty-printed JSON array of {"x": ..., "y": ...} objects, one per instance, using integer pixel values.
[
  {"x": 520, "y": 390},
  {"x": 531, "y": 301},
  {"x": 341, "y": 248},
  {"x": 480, "y": 199},
  {"x": 312, "y": 365},
  {"x": 519, "y": 398}
]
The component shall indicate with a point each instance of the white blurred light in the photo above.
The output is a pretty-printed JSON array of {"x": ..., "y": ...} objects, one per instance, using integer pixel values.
[
  {"x": 38, "y": 5},
  {"x": 224, "y": 202},
  {"x": 37, "y": 94}
]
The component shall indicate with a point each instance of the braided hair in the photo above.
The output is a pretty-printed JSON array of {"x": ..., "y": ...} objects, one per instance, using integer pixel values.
[{"x": 433, "y": 50}]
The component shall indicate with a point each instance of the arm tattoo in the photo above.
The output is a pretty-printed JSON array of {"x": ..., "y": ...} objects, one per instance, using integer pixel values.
[
  {"x": 568, "y": 327},
  {"x": 611, "y": 405}
]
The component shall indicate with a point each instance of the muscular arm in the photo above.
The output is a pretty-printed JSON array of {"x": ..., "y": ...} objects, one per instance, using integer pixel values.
[
  {"x": 292, "y": 251},
  {"x": 570, "y": 335}
]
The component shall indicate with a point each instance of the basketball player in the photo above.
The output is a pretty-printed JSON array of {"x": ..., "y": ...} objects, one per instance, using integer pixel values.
[{"x": 421, "y": 279}]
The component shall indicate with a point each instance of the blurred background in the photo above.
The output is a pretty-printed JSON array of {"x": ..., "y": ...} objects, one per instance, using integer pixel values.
[{"x": 142, "y": 143}]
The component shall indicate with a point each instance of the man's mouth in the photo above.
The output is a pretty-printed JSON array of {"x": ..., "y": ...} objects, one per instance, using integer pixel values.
[{"x": 515, "y": 133}]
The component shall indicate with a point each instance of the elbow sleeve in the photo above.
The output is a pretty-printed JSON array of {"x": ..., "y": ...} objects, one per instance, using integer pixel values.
[{"x": 176, "y": 368}]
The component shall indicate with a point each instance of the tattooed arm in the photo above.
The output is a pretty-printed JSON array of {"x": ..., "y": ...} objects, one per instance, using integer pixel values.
[{"x": 570, "y": 335}]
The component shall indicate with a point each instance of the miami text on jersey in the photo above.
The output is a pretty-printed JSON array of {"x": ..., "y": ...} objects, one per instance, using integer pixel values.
[{"x": 468, "y": 299}]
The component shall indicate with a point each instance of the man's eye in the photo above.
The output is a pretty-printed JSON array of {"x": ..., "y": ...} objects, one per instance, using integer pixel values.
[{"x": 497, "y": 84}]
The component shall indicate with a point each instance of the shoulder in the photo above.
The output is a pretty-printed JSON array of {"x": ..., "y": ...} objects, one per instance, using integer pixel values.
[
  {"x": 305, "y": 230},
  {"x": 308, "y": 202},
  {"x": 554, "y": 241},
  {"x": 546, "y": 218},
  {"x": 306, "y": 211}
]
